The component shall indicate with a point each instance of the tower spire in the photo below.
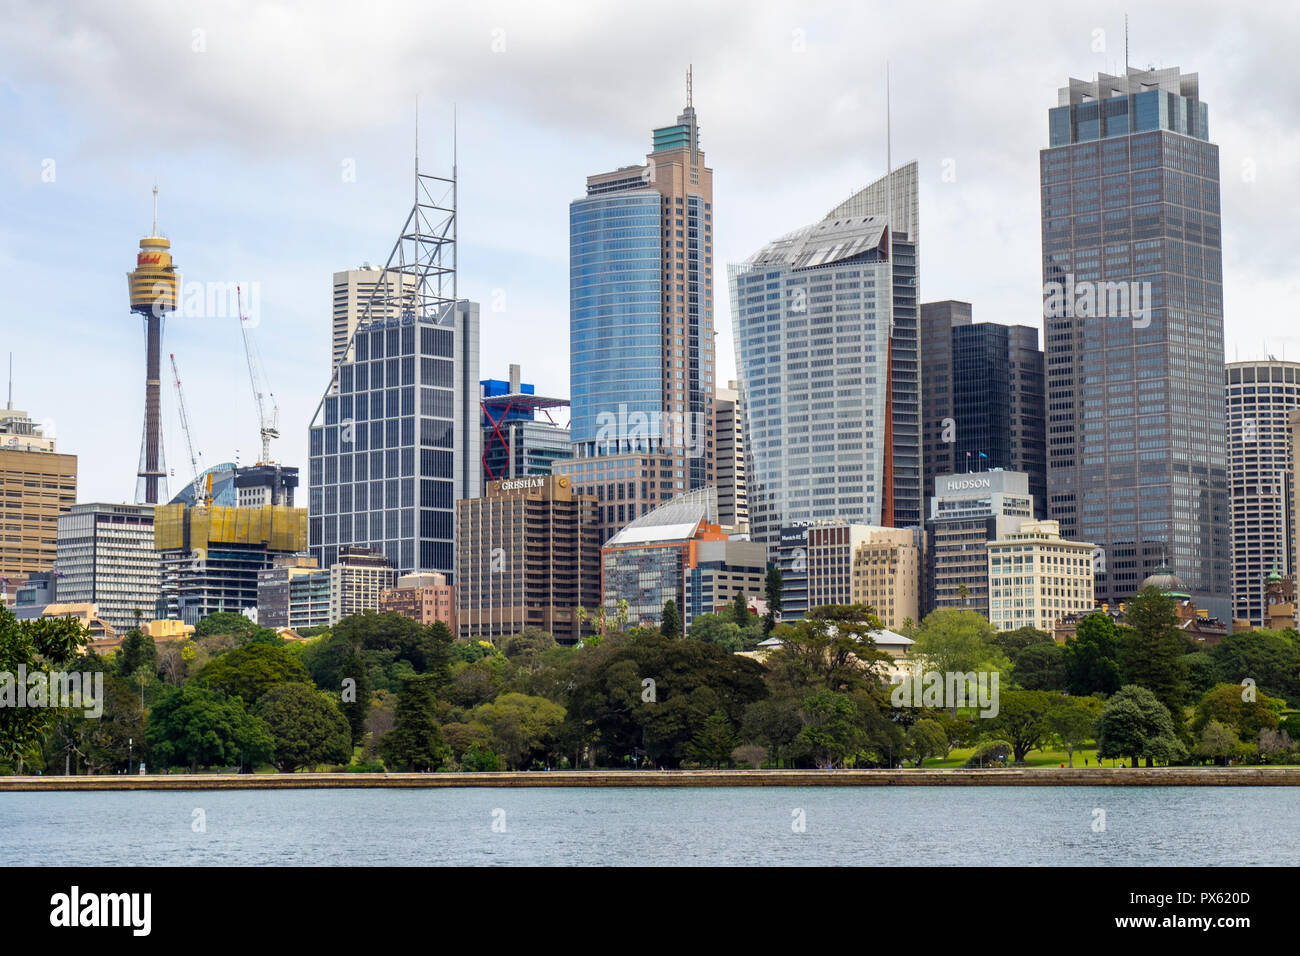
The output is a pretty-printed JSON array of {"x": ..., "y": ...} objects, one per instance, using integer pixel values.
[
  {"x": 690, "y": 68},
  {"x": 155, "y": 209}
]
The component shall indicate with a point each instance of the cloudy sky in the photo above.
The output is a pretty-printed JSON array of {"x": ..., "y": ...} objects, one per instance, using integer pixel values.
[{"x": 249, "y": 116}]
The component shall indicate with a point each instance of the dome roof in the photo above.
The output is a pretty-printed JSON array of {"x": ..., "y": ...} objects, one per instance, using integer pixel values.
[{"x": 1166, "y": 581}]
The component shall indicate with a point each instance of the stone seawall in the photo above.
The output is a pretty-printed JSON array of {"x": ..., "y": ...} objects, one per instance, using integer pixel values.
[{"x": 1046, "y": 777}]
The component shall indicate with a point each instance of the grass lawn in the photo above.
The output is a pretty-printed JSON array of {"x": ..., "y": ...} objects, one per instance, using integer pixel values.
[{"x": 1035, "y": 758}]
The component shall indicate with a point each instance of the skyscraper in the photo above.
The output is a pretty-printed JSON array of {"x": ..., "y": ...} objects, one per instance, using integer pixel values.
[
  {"x": 353, "y": 289},
  {"x": 516, "y": 443},
  {"x": 827, "y": 354},
  {"x": 396, "y": 440},
  {"x": 983, "y": 397},
  {"x": 729, "y": 460},
  {"x": 37, "y": 484},
  {"x": 106, "y": 557},
  {"x": 641, "y": 328},
  {"x": 1133, "y": 332},
  {"x": 1261, "y": 396}
]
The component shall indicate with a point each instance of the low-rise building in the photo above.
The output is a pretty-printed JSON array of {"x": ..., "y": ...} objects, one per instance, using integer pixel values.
[
  {"x": 357, "y": 580},
  {"x": 422, "y": 597},
  {"x": 293, "y": 594},
  {"x": 1037, "y": 577}
]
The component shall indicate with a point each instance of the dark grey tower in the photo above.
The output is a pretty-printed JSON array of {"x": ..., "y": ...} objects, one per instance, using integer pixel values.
[{"x": 1133, "y": 332}]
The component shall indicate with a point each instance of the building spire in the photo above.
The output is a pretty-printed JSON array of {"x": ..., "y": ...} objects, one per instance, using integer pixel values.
[
  {"x": 690, "y": 68},
  {"x": 155, "y": 209}
]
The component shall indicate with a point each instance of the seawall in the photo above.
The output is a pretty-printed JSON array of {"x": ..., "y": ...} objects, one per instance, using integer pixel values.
[{"x": 1288, "y": 776}]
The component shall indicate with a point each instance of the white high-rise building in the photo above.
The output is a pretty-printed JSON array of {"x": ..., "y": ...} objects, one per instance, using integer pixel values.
[
  {"x": 827, "y": 359},
  {"x": 106, "y": 557},
  {"x": 353, "y": 289},
  {"x": 1036, "y": 577},
  {"x": 1260, "y": 398}
]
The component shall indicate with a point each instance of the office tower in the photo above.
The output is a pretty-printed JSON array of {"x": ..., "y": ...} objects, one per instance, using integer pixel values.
[
  {"x": 939, "y": 391},
  {"x": 966, "y": 513},
  {"x": 1036, "y": 577},
  {"x": 641, "y": 328},
  {"x": 887, "y": 575},
  {"x": 153, "y": 288},
  {"x": 295, "y": 593},
  {"x": 827, "y": 353},
  {"x": 210, "y": 556},
  {"x": 527, "y": 555},
  {"x": 859, "y": 564},
  {"x": 678, "y": 551},
  {"x": 983, "y": 397},
  {"x": 396, "y": 439},
  {"x": 729, "y": 460},
  {"x": 353, "y": 290},
  {"x": 792, "y": 559},
  {"x": 422, "y": 597},
  {"x": 357, "y": 579},
  {"x": 1261, "y": 397},
  {"x": 516, "y": 444},
  {"x": 37, "y": 484},
  {"x": 106, "y": 557},
  {"x": 1133, "y": 320}
]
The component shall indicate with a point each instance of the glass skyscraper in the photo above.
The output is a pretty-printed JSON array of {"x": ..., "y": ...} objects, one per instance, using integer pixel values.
[
  {"x": 1133, "y": 332},
  {"x": 400, "y": 442},
  {"x": 641, "y": 329},
  {"x": 827, "y": 355}
]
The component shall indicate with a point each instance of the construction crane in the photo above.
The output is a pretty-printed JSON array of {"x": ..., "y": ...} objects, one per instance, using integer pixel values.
[
  {"x": 185, "y": 427},
  {"x": 269, "y": 425}
]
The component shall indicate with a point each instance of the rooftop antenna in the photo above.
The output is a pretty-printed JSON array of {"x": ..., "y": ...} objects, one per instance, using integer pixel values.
[
  {"x": 689, "y": 68},
  {"x": 417, "y": 147},
  {"x": 1126, "y": 45},
  {"x": 155, "y": 209},
  {"x": 11, "y": 381}
]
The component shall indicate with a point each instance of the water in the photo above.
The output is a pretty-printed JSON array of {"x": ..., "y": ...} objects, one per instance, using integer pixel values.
[{"x": 876, "y": 826}]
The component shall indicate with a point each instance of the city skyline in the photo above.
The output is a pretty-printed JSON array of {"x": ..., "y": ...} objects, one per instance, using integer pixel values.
[{"x": 233, "y": 215}]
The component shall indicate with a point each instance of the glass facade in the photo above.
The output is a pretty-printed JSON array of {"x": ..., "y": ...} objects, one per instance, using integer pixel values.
[
  {"x": 399, "y": 443},
  {"x": 1133, "y": 333},
  {"x": 615, "y": 289}
]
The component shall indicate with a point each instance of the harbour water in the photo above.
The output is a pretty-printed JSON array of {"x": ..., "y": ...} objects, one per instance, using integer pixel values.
[{"x": 874, "y": 826}]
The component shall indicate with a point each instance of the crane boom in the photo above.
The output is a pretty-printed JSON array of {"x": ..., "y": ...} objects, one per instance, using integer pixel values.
[
  {"x": 185, "y": 427},
  {"x": 268, "y": 425}
]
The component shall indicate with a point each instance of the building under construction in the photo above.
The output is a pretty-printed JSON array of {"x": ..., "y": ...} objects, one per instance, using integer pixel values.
[
  {"x": 211, "y": 555},
  {"x": 154, "y": 291}
]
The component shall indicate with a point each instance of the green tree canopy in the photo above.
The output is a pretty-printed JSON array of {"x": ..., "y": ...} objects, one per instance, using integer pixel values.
[
  {"x": 1135, "y": 724},
  {"x": 308, "y": 728},
  {"x": 1090, "y": 657},
  {"x": 251, "y": 670},
  {"x": 44, "y": 644},
  {"x": 201, "y": 727},
  {"x": 415, "y": 742},
  {"x": 671, "y": 622}
]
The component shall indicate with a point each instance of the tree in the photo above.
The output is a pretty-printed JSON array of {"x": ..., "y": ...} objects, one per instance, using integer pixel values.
[
  {"x": 772, "y": 587},
  {"x": 1135, "y": 724},
  {"x": 832, "y": 729},
  {"x": 109, "y": 741},
  {"x": 1151, "y": 648},
  {"x": 1217, "y": 742},
  {"x": 831, "y": 646},
  {"x": 250, "y": 671},
  {"x": 1013, "y": 642},
  {"x": 719, "y": 630},
  {"x": 225, "y": 622},
  {"x": 415, "y": 741},
  {"x": 774, "y": 722},
  {"x": 44, "y": 644},
  {"x": 1041, "y": 667},
  {"x": 926, "y": 738},
  {"x": 138, "y": 651},
  {"x": 1072, "y": 720},
  {"x": 1090, "y": 665},
  {"x": 1021, "y": 720},
  {"x": 201, "y": 727},
  {"x": 307, "y": 727},
  {"x": 1244, "y": 713},
  {"x": 1266, "y": 657},
  {"x": 740, "y": 612},
  {"x": 521, "y": 726},
  {"x": 952, "y": 641},
  {"x": 714, "y": 742},
  {"x": 671, "y": 624}
]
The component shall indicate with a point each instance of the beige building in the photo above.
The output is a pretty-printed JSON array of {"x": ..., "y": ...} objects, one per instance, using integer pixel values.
[
  {"x": 887, "y": 568},
  {"x": 729, "y": 464},
  {"x": 1036, "y": 577},
  {"x": 527, "y": 555},
  {"x": 352, "y": 291},
  {"x": 357, "y": 581},
  {"x": 865, "y": 564},
  {"x": 37, "y": 484},
  {"x": 425, "y": 597}
]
